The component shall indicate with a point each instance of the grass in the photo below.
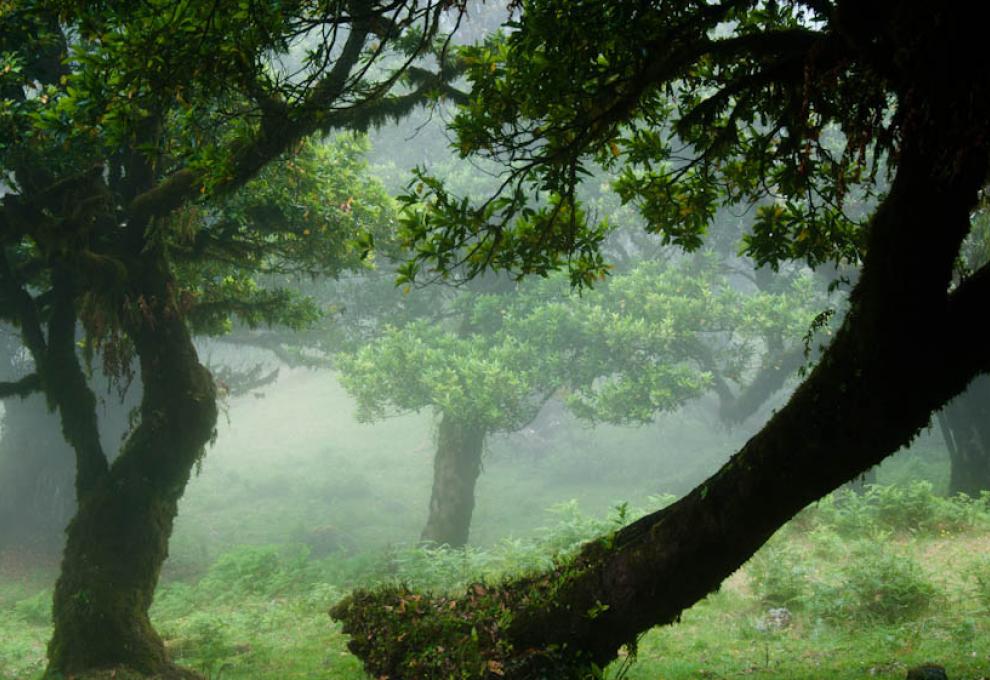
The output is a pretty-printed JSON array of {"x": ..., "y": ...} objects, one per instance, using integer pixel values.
[{"x": 298, "y": 504}]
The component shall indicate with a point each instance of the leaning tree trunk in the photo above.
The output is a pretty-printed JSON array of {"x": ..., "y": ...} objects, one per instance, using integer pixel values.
[
  {"x": 455, "y": 473},
  {"x": 118, "y": 539},
  {"x": 965, "y": 425},
  {"x": 905, "y": 348}
]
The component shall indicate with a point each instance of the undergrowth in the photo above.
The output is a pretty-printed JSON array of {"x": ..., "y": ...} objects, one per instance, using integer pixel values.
[{"x": 870, "y": 584}]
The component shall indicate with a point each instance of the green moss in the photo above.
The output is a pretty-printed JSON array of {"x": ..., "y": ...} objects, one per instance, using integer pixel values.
[{"x": 403, "y": 634}]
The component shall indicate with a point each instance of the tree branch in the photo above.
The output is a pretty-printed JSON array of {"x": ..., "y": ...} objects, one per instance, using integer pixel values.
[
  {"x": 25, "y": 313},
  {"x": 283, "y": 126},
  {"x": 774, "y": 372},
  {"x": 66, "y": 387},
  {"x": 22, "y": 388},
  {"x": 967, "y": 311}
]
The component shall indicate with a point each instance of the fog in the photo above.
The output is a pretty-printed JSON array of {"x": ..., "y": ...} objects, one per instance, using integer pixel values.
[{"x": 431, "y": 440}]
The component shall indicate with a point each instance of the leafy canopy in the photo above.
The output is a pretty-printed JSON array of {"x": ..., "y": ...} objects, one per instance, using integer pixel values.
[
  {"x": 166, "y": 134},
  {"x": 644, "y": 342},
  {"x": 695, "y": 104}
]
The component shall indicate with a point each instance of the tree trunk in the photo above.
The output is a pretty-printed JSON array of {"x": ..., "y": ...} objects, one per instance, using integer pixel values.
[
  {"x": 904, "y": 350},
  {"x": 455, "y": 472},
  {"x": 770, "y": 379},
  {"x": 965, "y": 425},
  {"x": 118, "y": 539}
]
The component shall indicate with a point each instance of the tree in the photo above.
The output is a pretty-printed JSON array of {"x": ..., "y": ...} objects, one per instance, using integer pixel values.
[
  {"x": 129, "y": 135},
  {"x": 965, "y": 421},
  {"x": 645, "y": 342},
  {"x": 796, "y": 102},
  {"x": 399, "y": 366},
  {"x": 965, "y": 425}
]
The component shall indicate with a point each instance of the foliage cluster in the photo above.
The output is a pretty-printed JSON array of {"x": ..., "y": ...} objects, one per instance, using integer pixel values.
[
  {"x": 671, "y": 97},
  {"x": 911, "y": 508},
  {"x": 644, "y": 342},
  {"x": 980, "y": 578},
  {"x": 875, "y": 584}
]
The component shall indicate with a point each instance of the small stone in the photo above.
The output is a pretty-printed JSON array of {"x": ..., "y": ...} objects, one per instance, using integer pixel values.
[{"x": 776, "y": 619}]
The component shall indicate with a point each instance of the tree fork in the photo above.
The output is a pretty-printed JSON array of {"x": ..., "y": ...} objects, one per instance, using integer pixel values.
[{"x": 118, "y": 539}]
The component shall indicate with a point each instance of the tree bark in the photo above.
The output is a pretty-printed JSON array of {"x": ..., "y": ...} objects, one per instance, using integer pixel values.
[
  {"x": 904, "y": 350},
  {"x": 118, "y": 539},
  {"x": 965, "y": 424},
  {"x": 456, "y": 468}
]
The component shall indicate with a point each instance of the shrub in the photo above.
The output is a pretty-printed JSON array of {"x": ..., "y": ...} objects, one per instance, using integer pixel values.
[
  {"x": 779, "y": 577},
  {"x": 916, "y": 507},
  {"x": 36, "y": 609},
  {"x": 205, "y": 643},
  {"x": 912, "y": 508},
  {"x": 877, "y": 586},
  {"x": 979, "y": 576},
  {"x": 258, "y": 570}
]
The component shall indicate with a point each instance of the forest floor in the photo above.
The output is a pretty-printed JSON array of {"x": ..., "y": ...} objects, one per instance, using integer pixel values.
[
  {"x": 820, "y": 600},
  {"x": 298, "y": 504}
]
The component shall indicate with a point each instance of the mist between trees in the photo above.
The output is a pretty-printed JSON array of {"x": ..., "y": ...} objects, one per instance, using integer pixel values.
[{"x": 504, "y": 334}]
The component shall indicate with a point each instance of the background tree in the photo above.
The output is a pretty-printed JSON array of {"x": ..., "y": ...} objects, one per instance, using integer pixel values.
[
  {"x": 965, "y": 425},
  {"x": 965, "y": 421},
  {"x": 398, "y": 370},
  {"x": 756, "y": 94},
  {"x": 643, "y": 343},
  {"x": 126, "y": 131}
]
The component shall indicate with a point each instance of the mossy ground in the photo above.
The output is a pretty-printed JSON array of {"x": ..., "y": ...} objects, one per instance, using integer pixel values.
[{"x": 297, "y": 505}]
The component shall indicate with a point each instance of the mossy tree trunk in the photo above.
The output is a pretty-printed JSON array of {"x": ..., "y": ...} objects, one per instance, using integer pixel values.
[
  {"x": 904, "y": 350},
  {"x": 965, "y": 426},
  {"x": 456, "y": 468},
  {"x": 118, "y": 539}
]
